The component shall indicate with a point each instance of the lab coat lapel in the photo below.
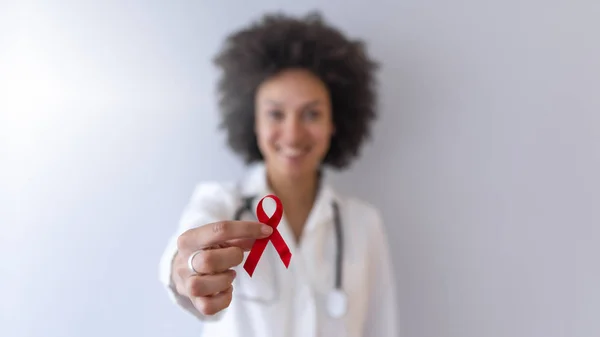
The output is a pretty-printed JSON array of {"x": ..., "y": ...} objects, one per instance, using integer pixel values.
[{"x": 318, "y": 240}]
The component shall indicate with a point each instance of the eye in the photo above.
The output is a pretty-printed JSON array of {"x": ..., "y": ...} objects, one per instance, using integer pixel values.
[
  {"x": 312, "y": 115},
  {"x": 275, "y": 115}
]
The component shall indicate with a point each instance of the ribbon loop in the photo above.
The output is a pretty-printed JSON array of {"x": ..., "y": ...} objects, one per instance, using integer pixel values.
[{"x": 259, "y": 245}]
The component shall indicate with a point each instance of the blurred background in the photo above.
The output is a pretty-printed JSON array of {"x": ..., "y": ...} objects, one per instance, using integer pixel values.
[{"x": 485, "y": 161}]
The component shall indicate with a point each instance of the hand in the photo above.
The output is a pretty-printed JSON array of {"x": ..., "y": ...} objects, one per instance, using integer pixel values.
[{"x": 221, "y": 245}]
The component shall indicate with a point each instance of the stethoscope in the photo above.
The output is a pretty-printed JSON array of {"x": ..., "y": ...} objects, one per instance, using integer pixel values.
[{"x": 337, "y": 301}]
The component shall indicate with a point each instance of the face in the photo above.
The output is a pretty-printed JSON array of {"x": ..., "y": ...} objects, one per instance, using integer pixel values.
[{"x": 293, "y": 123}]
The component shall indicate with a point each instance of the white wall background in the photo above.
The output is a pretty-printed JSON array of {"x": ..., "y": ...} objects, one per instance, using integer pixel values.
[{"x": 489, "y": 129}]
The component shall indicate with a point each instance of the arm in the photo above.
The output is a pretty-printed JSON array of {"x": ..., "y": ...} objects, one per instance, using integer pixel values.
[{"x": 382, "y": 315}]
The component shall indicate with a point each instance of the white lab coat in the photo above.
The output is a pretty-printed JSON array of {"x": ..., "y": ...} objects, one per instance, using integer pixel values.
[{"x": 280, "y": 302}]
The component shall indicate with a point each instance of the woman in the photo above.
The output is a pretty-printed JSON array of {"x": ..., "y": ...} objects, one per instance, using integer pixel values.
[{"x": 296, "y": 96}]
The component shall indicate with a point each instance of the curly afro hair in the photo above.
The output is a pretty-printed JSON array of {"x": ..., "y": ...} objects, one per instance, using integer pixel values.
[{"x": 278, "y": 42}]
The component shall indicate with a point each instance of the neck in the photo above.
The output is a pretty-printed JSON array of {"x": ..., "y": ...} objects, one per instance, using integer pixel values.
[
  {"x": 300, "y": 192},
  {"x": 297, "y": 196}
]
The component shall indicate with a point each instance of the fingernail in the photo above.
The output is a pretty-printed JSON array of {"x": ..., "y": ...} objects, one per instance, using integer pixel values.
[{"x": 266, "y": 229}]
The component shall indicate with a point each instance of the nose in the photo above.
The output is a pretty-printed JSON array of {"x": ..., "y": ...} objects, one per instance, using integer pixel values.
[{"x": 294, "y": 130}]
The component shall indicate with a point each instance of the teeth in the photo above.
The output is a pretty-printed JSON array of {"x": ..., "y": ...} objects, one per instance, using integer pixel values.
[{"x": 291, "y": 152}]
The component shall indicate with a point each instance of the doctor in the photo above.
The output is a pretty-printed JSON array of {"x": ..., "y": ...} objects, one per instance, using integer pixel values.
[{"x": 296, "y": 96}]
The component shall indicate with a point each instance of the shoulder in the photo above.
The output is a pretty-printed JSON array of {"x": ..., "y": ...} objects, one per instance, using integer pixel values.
[
  {"x": 364, "y": 218},
  {"x": 220, "y": 198},
  {"x": 209, "y": 201},
  {"x": 213, "y": 190},
  {"x": 361, "y": 209}
]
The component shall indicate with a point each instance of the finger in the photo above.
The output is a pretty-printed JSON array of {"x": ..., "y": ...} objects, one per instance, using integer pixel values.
[
  {"x": 213, "y": 304},
  {"x": 215, "y": 261},
  {"x": 183, "y": 272},
  {"x": 219, "y": 232},
  {"x": 180, "y": 273},
  {"x": 206, "y": 285},
  {"x": 244, "y": 244}
]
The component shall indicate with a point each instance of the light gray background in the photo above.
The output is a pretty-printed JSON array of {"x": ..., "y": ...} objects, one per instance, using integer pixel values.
[{"x": 485, "y": 161}]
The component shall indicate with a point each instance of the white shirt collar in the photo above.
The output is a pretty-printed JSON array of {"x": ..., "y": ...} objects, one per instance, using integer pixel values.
[{"x": 254, "y": 184}]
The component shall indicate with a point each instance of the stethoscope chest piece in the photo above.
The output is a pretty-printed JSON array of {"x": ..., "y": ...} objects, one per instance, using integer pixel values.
[{"x": 337, "y": 303}]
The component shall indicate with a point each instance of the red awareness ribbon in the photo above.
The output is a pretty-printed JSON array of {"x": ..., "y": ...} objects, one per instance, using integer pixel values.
[{"x": 260, "y": 244}]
